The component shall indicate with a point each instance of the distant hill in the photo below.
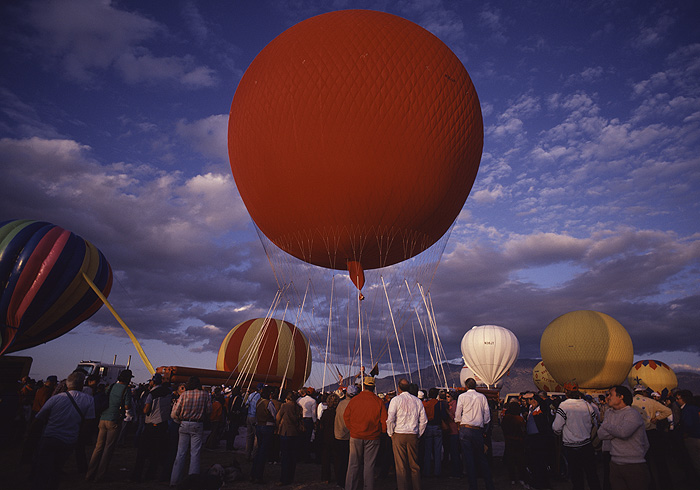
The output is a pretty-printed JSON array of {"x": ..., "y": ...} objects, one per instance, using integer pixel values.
[{"x": 518, "y": 379}]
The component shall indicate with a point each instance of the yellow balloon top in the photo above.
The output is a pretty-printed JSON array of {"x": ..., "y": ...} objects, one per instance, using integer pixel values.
[{"x": 587, "y": 348}]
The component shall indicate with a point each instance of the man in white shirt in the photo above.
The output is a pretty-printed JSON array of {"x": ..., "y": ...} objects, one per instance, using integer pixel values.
[
  {"x": 309, "y": 413},
  {"x": 473, "y": 416},
  {"x": 406, "y": 422}
]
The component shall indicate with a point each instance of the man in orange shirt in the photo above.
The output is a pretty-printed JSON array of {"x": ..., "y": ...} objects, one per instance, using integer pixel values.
[{"x": 365, "y": 418}]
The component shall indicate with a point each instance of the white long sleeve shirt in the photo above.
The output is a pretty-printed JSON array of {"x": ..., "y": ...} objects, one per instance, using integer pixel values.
[
  {"x": 472, "y": 409},
  {"x": 308, "y": 406},
  {"x": 406, "y": 415},
  {"x": 574, "y": 421}
]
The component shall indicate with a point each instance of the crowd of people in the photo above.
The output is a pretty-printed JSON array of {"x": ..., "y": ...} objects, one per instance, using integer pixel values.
[{"x": 357, "y": 436}]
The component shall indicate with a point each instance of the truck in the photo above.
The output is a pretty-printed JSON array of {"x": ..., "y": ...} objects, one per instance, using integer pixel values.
[{"x": 108, "y": 372}]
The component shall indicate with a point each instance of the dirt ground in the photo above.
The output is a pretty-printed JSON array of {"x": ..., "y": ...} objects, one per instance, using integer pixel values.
[{"x": 308, "y": 476}]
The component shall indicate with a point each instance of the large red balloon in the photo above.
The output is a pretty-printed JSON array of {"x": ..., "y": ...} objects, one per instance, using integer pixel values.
[{"x": 355, "y": 136}]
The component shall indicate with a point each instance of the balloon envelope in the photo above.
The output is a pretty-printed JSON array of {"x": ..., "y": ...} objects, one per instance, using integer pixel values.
[
  {"x": 466, "y": 373},
  {"x": 652, "y": 374},
  {"x": 42, "y": 291},
  {"x": 355, "y": 136},
  {"x": 544, "y": 380},
  {"x": 490, "y": 351},
  {"x": 267, "y": 347},
  {"x": 587, "y": 348}
]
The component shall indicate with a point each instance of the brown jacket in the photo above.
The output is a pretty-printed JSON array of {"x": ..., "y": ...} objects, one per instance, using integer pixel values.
[{"x": 289, "y": 419}]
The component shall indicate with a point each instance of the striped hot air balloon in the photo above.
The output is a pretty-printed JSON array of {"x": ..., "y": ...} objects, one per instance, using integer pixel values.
[
  {"x": 268, "y": 348},
  {"x": 42, "y": 290},
  {"x": 652, "y": 374}
]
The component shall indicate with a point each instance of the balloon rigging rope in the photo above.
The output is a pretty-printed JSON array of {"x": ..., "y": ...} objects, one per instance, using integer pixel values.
[
  {"x": 391, "y": 314},
  {"x": 291, "y": 350},
  {"x": 246, "y": 369},
  {"x": 435, "y": 335},
  {"x": 280, "y": 326},
  {"x": 241, "y": 372},
  {"x": 425, "y": 334},
  {"x": 415, "y": 345},
  {"x": 328, "y": 335}
]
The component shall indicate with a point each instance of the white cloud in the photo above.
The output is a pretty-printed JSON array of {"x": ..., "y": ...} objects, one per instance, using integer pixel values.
[
  {"x": 505, "y": 128},
  {"x": 88, "y": 36},
  {"x": 209, "y": 135},
  {"x": 144, "y": 67},
  {"x": 488, "y": 195},
  {"x": 653, "y": 35}
]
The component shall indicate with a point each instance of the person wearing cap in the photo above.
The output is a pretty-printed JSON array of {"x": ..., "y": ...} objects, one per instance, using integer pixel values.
[
  {"x": 154, "y": 440},
  {"x": 365, "y": 416},
  {"x": 64, "y": 415},
  {"x": 119, "y": 396},
  {"x": 623, "y": 427},
  {"x": 191, "y": 409},
  {"x": 405, "y": 424},
  {"x": 309, "y": 407},
  {"x": 473, "y": 416},
  {"x": 342, "y": 436},
  {"x": 44, "y": 393}
]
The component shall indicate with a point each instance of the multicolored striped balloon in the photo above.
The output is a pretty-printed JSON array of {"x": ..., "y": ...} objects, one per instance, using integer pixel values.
[
  {"x": 267, "y": 347},
  {"x": 652, "y": 374},
  {"x": 42, "y": 290}
]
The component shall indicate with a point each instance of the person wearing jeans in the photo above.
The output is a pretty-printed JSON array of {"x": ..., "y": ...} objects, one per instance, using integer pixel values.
[
  {"x": 191, "y": 409},
  {"x": 473, "y": 416},
  {"x": 190, "y": 438}
]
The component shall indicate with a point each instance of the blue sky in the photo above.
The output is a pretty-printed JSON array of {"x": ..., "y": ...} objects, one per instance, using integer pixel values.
[{"x": 113, "y": 119}]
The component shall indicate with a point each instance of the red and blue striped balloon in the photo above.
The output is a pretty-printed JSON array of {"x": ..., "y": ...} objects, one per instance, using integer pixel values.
[{"x": 42, "y": 290}]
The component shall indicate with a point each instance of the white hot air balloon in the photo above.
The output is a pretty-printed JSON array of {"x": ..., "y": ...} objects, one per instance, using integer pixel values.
[
  {"x": 465, "y": 373},
  {"x": 490, "y": 351}
]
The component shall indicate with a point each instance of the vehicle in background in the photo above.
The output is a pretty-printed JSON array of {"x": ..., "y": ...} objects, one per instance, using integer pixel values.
[{"x": 108, "y": 372}]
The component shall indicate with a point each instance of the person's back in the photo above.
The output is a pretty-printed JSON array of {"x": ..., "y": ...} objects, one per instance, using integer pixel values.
[
  {"x": 365, "y": 416},
  {"x": 341, "y": 431},
  {"x": 118, "y": 400},
  {"x": 63, "y": 419},
  {"x": 161, "y": 403},
  {"x": 574, "y": 421}
]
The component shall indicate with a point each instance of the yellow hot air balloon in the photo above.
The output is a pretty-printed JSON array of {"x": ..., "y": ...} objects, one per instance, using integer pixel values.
[
  {"x": 543, "y": 379},
  {"x": 652, "y": 374},
  {"x": 587, "y": 348}
]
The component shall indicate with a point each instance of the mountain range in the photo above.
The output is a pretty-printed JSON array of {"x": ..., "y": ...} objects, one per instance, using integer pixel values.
[{"x": 518, "y": 378}]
